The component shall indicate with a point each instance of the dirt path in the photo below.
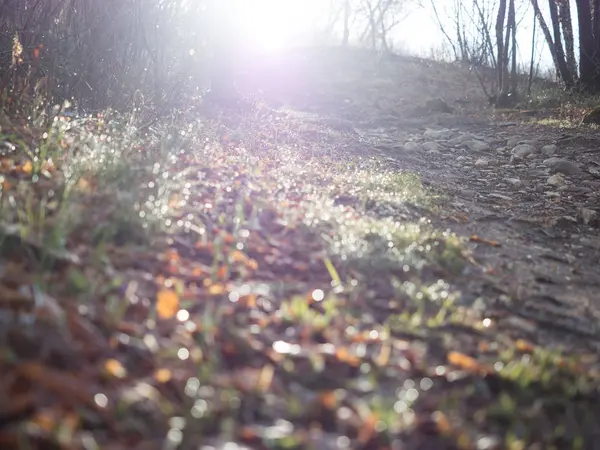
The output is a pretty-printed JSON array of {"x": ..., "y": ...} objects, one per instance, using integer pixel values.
[{"x": 536, "y": 227}]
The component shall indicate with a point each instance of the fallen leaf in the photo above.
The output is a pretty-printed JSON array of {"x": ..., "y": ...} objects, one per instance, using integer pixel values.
[
  {"x": 167, "y": 303},
  {"x": 463, "y": 361},
  {"x": 345, "y": 356},
  {"x": 27, "y": 167},
  {"x": 216, "y": 289},
  {"x": 115, "y": 368},
  {"x": 524, "y": 346},
  {"x": 265, "y": 378},
  {"x": 163, "y": 375},
  {"x": 476, "y": 238},
  {"x": 328, "y": 399}
]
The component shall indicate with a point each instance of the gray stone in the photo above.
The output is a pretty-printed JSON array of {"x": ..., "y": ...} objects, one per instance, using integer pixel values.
[
  {"x": 476, "y": 146},
  {"x": 431, "y": 147},
  {"x": 512, "y": 141},
  {"x": 438, "y": 134},
  {"x": 523, "y": 150},
  {"x": 566, "y": 167},
  {"x": 482, "y": 162},
  {"x": 555, "y": 180},
  {"x": 549, "y": 150},
  {"x": 412, "y": 146}
]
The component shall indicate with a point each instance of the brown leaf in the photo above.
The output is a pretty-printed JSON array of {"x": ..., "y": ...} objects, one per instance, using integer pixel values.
[
  {"x": 167, "y": 303},
  {"x": 463, "y": 361},
  {"x": 115, "y": 368},
  {"x": 524, "y": 346},
  {"x": 163, "y": 375}
]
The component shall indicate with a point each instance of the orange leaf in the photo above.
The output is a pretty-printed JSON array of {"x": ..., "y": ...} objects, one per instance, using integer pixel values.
[
  {"x": 524, "y": 346},
  {"x": 265, "y": 378},
  {"x": 239, "y": 257},
  {"x": 5, "y": 185},
  {"x": 163, "y": 375},
  {"x": 442, "y": 422},
  {"x": 248, "y": 300},
  {"x": 216, "y": 289},
  {"x": 463, "y": 361},
  {"x": 345, "y": 356},
  {"x": 368, "y": 429},
  {"x": 5, "y": 164},
  {"x": 84, "y": 185},
  {"x": 167, "y": 303},
  {"x": 476, "y": 238},
  {"x": 197, "y": 271},
  {"x": 45, "y": 420},
  {"x": 27, "y": 167},
  {"x": 115, "y": 368},
  {"x": 328, "y": 399},
  {"x": 222, "y": 272},
  {"x": 384, "y": 356}
]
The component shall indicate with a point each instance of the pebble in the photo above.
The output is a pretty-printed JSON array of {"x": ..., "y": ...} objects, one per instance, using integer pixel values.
[
  {"x": 566, "y": 167},
  {"x": 523, "y": 150},
  {"x": 476, "y": 146},
  {"x": 549, "y": 150},
  {"x": 555, "y": 180}
]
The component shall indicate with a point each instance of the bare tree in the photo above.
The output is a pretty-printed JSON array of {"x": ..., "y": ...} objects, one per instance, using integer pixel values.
[{"x": 381, "y": 16}]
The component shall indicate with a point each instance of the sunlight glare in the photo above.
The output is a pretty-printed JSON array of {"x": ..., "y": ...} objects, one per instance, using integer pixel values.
[{"x": 270, "y": 25}]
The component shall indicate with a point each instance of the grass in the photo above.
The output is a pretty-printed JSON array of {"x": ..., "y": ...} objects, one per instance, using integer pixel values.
[{"x": 256, "y": 282}]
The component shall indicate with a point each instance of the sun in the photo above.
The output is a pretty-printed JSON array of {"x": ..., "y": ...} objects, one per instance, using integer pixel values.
[{"x": 270, "y": 25}]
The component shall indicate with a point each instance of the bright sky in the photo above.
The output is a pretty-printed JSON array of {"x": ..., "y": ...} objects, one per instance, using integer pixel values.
[{"x": 272, "y": 24}]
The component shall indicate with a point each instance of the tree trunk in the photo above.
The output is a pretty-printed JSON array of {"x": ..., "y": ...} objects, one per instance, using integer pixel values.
[
  {"x": 566, "y": 23},
  {"x": 346, "y": 36},
  {"x": 512, "y": 25},
  {"x": 589, "y": 73},
  {"x": 561, "y": 62},
  {"x": 546, "y": 31},
  {"x": 501, "y": 61}
]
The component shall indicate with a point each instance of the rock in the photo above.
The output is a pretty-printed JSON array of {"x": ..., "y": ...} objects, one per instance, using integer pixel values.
[
  {"x": 523, "y": 150},
  {"x": 565, "y": 167},
  {"x": 431, "y": 147},
  {"x": 511, "y": 142},
  {"x": 499, "y": 196},
  {"x": 438, "y": 105},
  {"x": 513, "y": 181},
  {"x": 482, "y": 162},
  {"x": 458, "y": 140},
  {"x": 587, "y": 215},
  {"x": 529, "y": 141},
  {"x": 412, "y": 146},
  {"x": 555, "y": 180},
  {"x": 549, "y": 150},
  {"x": 476, "y": 146},
  {"x": 438, "y": 134},
  {"x": 501, "y": 150}
]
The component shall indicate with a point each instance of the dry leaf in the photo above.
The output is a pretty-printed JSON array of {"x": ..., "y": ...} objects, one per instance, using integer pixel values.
[
  {"x": 27, "y": 167},
  {"x": 524, "y": 346},
  {"x": 463, "y": 361},
  {"x": 328, "y": 399},
  {"x": 216, "y": 289},
  {"x": 115, "y": 368},
  {"x": 345, "y": 356},
  {"x": 163, "y": 375},
  {"x": 167, "y": 303}
]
